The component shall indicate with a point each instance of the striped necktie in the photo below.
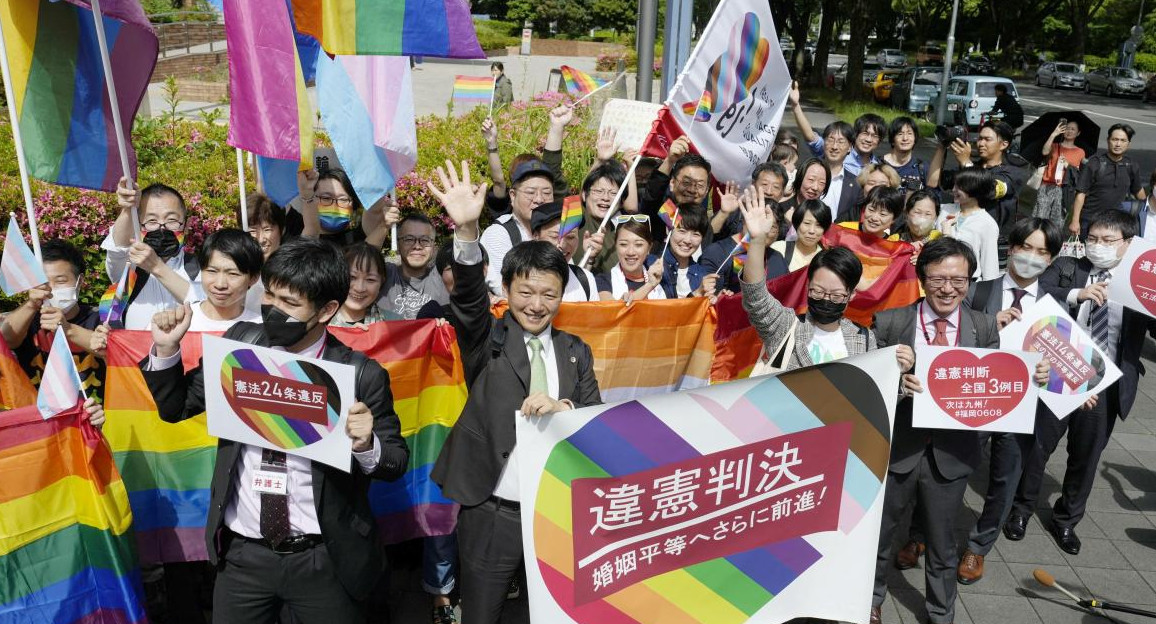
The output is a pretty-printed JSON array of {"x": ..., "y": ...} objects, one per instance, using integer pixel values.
[{"x": 1098, "y": 318}]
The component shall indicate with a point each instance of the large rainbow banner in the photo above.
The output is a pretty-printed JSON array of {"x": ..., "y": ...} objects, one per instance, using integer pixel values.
[
  {"x": 758, "y": 501},
  {"x": 66, "y": 545}
]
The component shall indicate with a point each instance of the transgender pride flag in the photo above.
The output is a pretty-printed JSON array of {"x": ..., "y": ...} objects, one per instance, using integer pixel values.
[
  {"x": 60, "y": 385},
  {"x": 19, "y": 268}
]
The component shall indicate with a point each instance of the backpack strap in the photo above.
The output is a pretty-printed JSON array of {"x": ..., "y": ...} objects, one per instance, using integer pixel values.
[
  {"x": 192, "y": 267},
  {"x": 983, "y": 291},
  {"x": 513, "y": 231},
  {"x": 1066, "y": 266},
  {"x": 583, "y": 281},
  {"x": 789, "y": 252}
]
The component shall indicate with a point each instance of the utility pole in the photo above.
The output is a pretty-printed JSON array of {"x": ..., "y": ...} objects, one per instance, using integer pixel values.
[
  {"x": 677, "y": 42},
  {"x": 647, "y": 25},
  {"x": 941, "y": 103}
]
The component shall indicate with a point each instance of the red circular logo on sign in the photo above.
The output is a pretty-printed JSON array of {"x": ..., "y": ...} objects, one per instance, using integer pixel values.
[{"x": 977, "y": 391}]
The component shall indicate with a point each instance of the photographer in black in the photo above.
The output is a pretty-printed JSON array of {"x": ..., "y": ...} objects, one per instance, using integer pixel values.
[
  {"x": 1007, "y": 106},
  {"x": 992, "y": 144}
]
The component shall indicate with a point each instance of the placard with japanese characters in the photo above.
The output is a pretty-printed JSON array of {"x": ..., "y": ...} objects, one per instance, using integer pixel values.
[
  {"x": 1079, "y": 367},
  {"x": 1134, "y": 279},
  {"x": 757, "y": 500},
  {"x": 278, "y": 400},
  {"x": 975, "y": 389}
]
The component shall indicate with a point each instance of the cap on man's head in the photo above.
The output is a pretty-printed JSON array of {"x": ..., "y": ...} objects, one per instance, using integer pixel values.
[
  {"x": 532, "y": 168},
  {"x": 545, "y": 214}
]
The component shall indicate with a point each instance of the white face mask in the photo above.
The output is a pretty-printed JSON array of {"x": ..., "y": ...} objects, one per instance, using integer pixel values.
[
  {"x": 1028, "y": 265},
  {"x": 1102, "y": 256},
  {"x": 920, "y": 226},
  {"x": 63, "y": 298}
]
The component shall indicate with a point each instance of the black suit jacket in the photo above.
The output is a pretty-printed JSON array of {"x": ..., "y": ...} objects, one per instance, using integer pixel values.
[
  {"x": 498, "y": 376},
  {"x": 987, "y": 296},
  {"x": 342, "y": 499},
  {"x": 956, "y": 453},
  {"x": 1130, "y": 343},
  {"x": 848, "y": 209}
]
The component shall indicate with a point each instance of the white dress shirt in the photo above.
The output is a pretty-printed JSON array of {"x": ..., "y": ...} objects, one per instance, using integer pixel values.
[
  {"x": 1115, "y": 311},
  {"x": 497, "y": 242},
  {"x": 834, "y": 192},
  {"x": 153, "y": 296},
  {"x": 1009, "y": 285},
  {"x": 926, "y": 321}
]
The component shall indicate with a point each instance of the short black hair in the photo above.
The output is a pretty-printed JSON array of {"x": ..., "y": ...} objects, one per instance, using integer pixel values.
[
  {"x": 239, "y": 246},
  {"x": 1000, "y": 87},
  {"x": 692, "y": 217},
  {"x": 445, "y": 256},
  {"x": 841, "y": 261},
  {"x": 416, "y": 217},
  {"x": 887, "y": 198},
  {"x": 262, "y": 209},
  {"x": 772, "y": 168},
  {"x": 689, "y": 160},
  {"x": 1113, "y": 219},
  {"x": 59, "y": 250},
  {"x": 977, "y": 183},
  {"x": 814, "y": 207},
  {"x": 156, "y": 189},
  {"x": 530, "y": 256},
  {"x": 609, "y": 170},
  {"x": 1128, "y": 130},
  {"x": 498, "y": 66},
  {"x": 1053, "y": 237},
  {"x": 897, "y": 126},
  {"x": 801, "y": 172},
  {"x": 841, "y": 128},
  {"x": 782, "y": 153},
  {"x": 312, "y": 268},
  {"x": 941, "y": 249},
  {"x": 343, "y": 180},
  {"x": 919, "y": 196},
  {"x": 1001, "y": 129},
  {"x": 871, "y": 121}
]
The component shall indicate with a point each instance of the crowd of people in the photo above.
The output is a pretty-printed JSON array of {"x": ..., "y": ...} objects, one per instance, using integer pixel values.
[{"x": 305, "y": 551}]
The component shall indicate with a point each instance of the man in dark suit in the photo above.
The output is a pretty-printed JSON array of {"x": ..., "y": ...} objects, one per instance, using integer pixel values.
[
  {"x": 308, "y": 543},
  {"x": 933, "y": 463},
  {"x": 1120, "y": 333},
  {"x": 517, "y": 363}
]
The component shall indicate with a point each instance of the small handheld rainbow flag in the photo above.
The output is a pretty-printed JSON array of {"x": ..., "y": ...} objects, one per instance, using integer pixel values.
[
  {"x": 19, "y": 268},
  {"x": 571, "y": 215},
  {"x": 60, "y": 385},
  {"x": 473, "y": 88},
  {"x": 669, "y": 214},
  {"x": 578, "y": 81},
  {"x": 115, "y": 299},
  {"x": 739, "y": 254},
  {"x": 702, "y": 111}
]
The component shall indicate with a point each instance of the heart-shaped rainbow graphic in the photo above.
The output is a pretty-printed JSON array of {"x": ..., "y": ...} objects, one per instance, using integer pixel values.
[
  {"x": 1059, "y": 329},
  {"x": 284, "y": 432},
  {"x": 628, "y": 438}
]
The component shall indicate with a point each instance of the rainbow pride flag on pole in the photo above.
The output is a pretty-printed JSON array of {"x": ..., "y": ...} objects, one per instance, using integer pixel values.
[
  {"x": 269, "y": 112},
  {"x": 579, "y": 82},
  {"x": 19, "y": 268},
  {"x": 66, "y": 544},
  {"x": 115, "y": 299},
  {"x": 669, "y": 214},
  {"x": 59, "y": 86},
  {"x": 390, "y": 27},
  {"x": 473, "y": 89},
  {"x": 571, "y": 215}
]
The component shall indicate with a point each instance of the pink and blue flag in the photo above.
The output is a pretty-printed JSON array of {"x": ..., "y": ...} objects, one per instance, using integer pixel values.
[
  {"x": 114, "y": 300},
  {"x": 60, "y": 384},
  {"x": 366, "y": 104},
  {"x": 19, "y": 268}
]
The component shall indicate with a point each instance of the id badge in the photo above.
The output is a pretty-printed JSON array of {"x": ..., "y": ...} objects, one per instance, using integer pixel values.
[{"x": 270, "y": 481}]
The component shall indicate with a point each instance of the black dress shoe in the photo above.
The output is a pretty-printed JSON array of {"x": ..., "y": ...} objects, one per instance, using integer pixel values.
[
  {"x": 1066, "y": 539},
  {"x": 1015, "y": 527}
]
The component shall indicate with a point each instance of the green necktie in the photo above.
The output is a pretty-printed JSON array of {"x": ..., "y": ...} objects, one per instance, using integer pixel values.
[{"x": 538, "y": 381}]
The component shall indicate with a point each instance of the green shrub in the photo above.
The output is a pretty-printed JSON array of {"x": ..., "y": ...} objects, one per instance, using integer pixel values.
[
  {"x": 1091, "y": 61},
  {"x": 495, "y": 34}
]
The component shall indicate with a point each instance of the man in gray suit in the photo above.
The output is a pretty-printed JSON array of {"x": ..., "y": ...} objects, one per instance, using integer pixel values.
[
  {"x": 933, "y": 463},
  {"x": 519, "y": 362}
]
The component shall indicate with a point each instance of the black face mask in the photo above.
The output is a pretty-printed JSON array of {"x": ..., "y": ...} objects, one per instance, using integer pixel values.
[
  {"x": 823, "y": 311},
  {"x": 281, "y": 329},
  {"x": 164, "y": 242}
]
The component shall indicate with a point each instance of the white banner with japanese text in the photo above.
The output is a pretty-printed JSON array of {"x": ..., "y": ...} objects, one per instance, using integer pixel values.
[
  {"x": 975, "y": 389},
  {"x": 752, "y": 501}
]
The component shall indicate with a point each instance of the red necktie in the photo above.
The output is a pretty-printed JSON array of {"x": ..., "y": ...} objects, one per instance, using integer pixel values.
[{"x": 940, "y": 333}]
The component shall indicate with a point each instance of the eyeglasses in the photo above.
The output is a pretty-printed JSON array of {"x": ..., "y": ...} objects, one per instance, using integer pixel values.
[
  {"x": 171, "y": 225},
  {"x": 836, "y": 140},
  {"x": 546, "y": 194},
  {"x": 601, "y": 193},
  {"x": 328, "y": 200},
  {"x": 940, "y": 282},
  {"x": 417, "y": 241},
  {"x": 833, "y": 297},
  {"x": 868, "y": 134},
  {"x": 1094, "y": 240},
  {"x": 687, "y": 184},
  {"x": 626, "y": 218}
]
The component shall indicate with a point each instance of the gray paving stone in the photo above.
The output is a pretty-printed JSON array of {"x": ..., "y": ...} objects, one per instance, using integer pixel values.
[
  {"x": 1135, "y": 441},
  {"x": 999, "y": 609},
  {"x": 1111, "y": 501},
  {"x": 1036, "y": 547},
  {"x": 1123, "y": 586},
  {"x": 1061, "y": 610},
  {"x": 1141, "y": 556},
  {"x": 1098, "y": 553},
  {"x": 997, "y": 581},
  {"x": 1116, "y": 526}
]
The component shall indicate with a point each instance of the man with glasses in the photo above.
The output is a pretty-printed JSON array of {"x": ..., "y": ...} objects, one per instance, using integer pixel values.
[
  {"x": 533, "y": 185},
  {"x": 683, "y": 177},
  {"x": 931, "y": 463},
  {"x": 165, "y": 276},
  {"x": 1105, "y": 180},
  {"x": 866, "y": 135},
  {"x": 991, "y": 145},
  {"x": 1120, "y": 333},
  {"x": 414, "y": 282}
]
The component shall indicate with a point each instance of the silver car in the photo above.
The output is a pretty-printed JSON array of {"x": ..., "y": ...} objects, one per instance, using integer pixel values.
[
  {"x": 1056, "y": 75},
  {"x": 1114, "y": 81},
  {"x": 891, "y": 57}
]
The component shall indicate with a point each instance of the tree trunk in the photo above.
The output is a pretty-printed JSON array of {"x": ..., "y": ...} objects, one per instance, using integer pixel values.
[
  {"x": 818, "y": 76},
  {"x": 856, "y": 50}
]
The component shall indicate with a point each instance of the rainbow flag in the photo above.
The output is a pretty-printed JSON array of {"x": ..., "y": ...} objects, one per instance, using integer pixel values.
[
  {"x": 886, "y": 262},
  {"x": 390, "y": 27},
  {"x": 19, "y": 268},
  {"x": 66, "y": 544},
  {"x": 115, "y": 299},
  {"x": 60, "y": 384},
  {"x": 571, "y": 215},
  {"x": 473, "y": 89},
  {"x": 701, "y": 111},
  {"x": 58, "y": 85},
  {"x": 669, "y": 214},
  {"x": 15, "y": 388},
  {"x": 739, "y": 254},
  {"x": 269, "y": 112},
  {"x": 579, "y": 82}
]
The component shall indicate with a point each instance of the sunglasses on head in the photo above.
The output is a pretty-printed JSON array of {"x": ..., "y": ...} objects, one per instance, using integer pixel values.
[{"x": 626, "y": 218}]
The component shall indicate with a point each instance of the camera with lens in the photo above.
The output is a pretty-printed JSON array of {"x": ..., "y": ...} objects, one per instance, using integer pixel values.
[
  {"x": 948, "y": 134},
  {"x": 911, "y": 183}
]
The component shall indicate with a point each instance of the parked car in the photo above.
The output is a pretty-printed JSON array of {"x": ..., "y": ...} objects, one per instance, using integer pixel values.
[
  {"x": 969, "y": 97},
  {"x": 882, "y": 84},
  {"x": 929, "y": 54},
  {"x": 976, "y": 65},
  {"x": 870, "y": 68},
  {"x": 890, "y": 57},
  {"x": 1056, "y": 75},
  {"x": 916, "y": 89},
  {"x": 1114, "y": 81}
]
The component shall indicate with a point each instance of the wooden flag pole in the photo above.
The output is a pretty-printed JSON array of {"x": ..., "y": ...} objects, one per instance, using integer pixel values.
[
  {"x": 118, "y": 125},
  {"x": 613, "y": 205},
  {"x": 241, "y": 190},
  {"x": 14, "y": 122}
]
